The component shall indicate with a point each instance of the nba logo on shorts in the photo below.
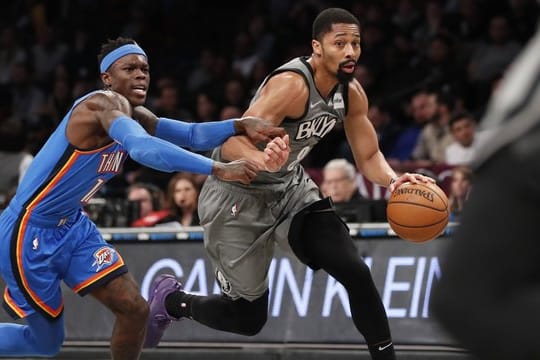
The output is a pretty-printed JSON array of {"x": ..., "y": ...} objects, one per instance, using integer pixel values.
[
  {"x": 234, "y": 210},
  {"x": 225, "y": 284},
  {"x": 103, "y": 257}
]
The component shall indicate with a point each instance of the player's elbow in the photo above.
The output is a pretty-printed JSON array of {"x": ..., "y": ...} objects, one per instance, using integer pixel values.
[{"x": 143, "y": 150}]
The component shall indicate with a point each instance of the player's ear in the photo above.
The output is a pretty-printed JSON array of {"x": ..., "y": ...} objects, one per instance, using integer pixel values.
[
  {"x": 316, "y": 46},
  {"x": 106, "y": 79}
]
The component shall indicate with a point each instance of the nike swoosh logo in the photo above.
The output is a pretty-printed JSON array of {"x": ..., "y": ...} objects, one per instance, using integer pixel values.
[
  {"x": 381, "y": 348},
  {"x": 316, "y": 103}
]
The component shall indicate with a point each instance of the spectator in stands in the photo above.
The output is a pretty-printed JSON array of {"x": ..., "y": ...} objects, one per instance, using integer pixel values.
[
  {"x": 432, "y": 24},
  {"x": 439, "y": 66},
  {"x": 258, "y": 30},
  {"x": 435, "y": 136},
  {"x": 182, "y": 199},
  {"x": 460, "y": 188},
  {"x": 234, "y": 93},
  {"x": 80, "y": 56},
  {"x": 206, "y": 107},
  {"x": 168, "y": 103},
  {"x": 58, "y": 101},
  {"x": 366, "y": 77},
  {"x": 244, "y": 56},
  {"x": 258, "y": 74},
  {"x": 47, "y": 53},
  {"x": 406, "y": 16},
  {"x": 202, "y": 75},
  {"x": 230, "y": 112},
  {"x": 11, "y": 52},
  {"x": 467, "y": 140},
  {"x": 28, "y": 99},
  {"x": 422, "y": 109},
  {"x": 491, "y": 57},
  {"x": 468, "y": 22},
  {"x": 387, "y": 132},
  {"x": 150, "y": 200},
  {"x": 339, "y": 183}
]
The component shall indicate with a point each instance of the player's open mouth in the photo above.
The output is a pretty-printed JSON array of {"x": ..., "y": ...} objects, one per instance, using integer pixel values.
[
  {"x": 139, "y": 89},
  {"x": 348, "y": 67}
]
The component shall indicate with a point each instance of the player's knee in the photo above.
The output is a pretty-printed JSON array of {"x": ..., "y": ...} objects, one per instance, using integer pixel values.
[
  {"x": 252, "y": 315},
  {"x": 122, "y": 296},
  {"x": 253, "y": 324},
  {"x": 139, "y": 309},
  {"x": 353, "y": 272},
  {"x": 133, "y": 307},
  {"x": 361, "y": 270}
]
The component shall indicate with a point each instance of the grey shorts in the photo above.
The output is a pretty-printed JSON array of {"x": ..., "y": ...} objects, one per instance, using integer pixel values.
[{"x": 241, "y": 226}]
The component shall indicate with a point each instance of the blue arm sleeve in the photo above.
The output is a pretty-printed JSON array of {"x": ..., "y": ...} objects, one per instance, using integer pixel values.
[
  {"x": 156, "y": 153},
  {"x": 197, "y": 136}
]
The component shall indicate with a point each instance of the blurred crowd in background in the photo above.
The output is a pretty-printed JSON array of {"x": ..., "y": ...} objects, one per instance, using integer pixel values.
[{"x": 428, "y": 67}]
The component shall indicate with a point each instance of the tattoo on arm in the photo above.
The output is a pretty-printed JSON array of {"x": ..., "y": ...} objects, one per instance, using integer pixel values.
[{"x": 146, "y": 118}]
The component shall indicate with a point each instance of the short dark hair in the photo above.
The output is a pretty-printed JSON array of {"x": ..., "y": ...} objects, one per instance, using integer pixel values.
[
  {"x": 328, "y": 17},
  {"x": 111, "y": 45},
  {"x": 459, "y": 116}
]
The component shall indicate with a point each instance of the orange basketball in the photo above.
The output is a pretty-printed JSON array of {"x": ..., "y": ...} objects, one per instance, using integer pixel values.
[{"x": 418, "y": 212}]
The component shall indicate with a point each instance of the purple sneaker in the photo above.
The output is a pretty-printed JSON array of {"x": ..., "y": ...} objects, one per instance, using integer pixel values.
[{"x": 159, "y": 319}]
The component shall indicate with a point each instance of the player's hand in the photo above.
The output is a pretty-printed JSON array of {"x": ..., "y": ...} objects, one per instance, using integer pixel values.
[
  {"x": 412, "y": 178},
  {"x": 276, "y": 153},
  {"x": 239, "y": 170},
  {"x": 257, "y": 129}
]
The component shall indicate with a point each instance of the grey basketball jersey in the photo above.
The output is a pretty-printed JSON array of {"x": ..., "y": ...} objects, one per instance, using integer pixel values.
[{"x": 320, "y": 117}]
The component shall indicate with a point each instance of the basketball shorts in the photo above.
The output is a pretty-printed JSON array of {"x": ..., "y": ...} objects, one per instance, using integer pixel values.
[
  {"x": 36, "y": 253},
  {"x": 242, "y": 224}
]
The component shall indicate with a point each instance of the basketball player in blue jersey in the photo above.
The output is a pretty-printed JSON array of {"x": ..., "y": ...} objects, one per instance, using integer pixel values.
[
  {"x": 308, "y": 97},
  {"x": 46, "y": 238}
]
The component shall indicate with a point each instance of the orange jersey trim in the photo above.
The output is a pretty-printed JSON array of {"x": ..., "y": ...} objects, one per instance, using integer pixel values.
[
  {"x": 9, "y": 301},
  {"x": 22, "y": 229},
  {"x": 119, "y": 263}
]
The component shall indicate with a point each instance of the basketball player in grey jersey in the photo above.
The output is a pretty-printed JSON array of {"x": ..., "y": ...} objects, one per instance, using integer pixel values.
[{"x": 307, "y": 97}]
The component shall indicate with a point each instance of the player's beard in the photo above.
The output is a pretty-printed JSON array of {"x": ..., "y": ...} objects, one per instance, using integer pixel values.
[{"x": 343, "y": 76}]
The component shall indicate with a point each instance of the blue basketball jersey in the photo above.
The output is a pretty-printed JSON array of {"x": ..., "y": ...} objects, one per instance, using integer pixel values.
[
  {"x": 62, "y": 178},
  {"x": 45, "y": 236}
]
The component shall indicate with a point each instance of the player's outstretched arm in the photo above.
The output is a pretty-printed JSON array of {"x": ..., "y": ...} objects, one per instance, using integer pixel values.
[
  {"x": 111, "y": 111},
  {"x": 162, "y": 155},
  {"x": 207, "y": 135}
]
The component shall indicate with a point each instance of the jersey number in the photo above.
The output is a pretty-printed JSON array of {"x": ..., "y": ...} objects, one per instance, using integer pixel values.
[
  {"x": 301, "y": 155},
  {"x": 86, "y": 198}
]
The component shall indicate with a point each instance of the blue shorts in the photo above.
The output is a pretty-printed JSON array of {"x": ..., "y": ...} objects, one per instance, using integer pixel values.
[{"x": 36, "y": 253}]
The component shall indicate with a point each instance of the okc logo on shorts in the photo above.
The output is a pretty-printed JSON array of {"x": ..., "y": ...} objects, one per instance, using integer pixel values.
[{"x": 103, "y": 257}]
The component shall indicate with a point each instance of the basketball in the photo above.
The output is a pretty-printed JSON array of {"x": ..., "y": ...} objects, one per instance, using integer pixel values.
[{"x": 418, "y": 212}]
